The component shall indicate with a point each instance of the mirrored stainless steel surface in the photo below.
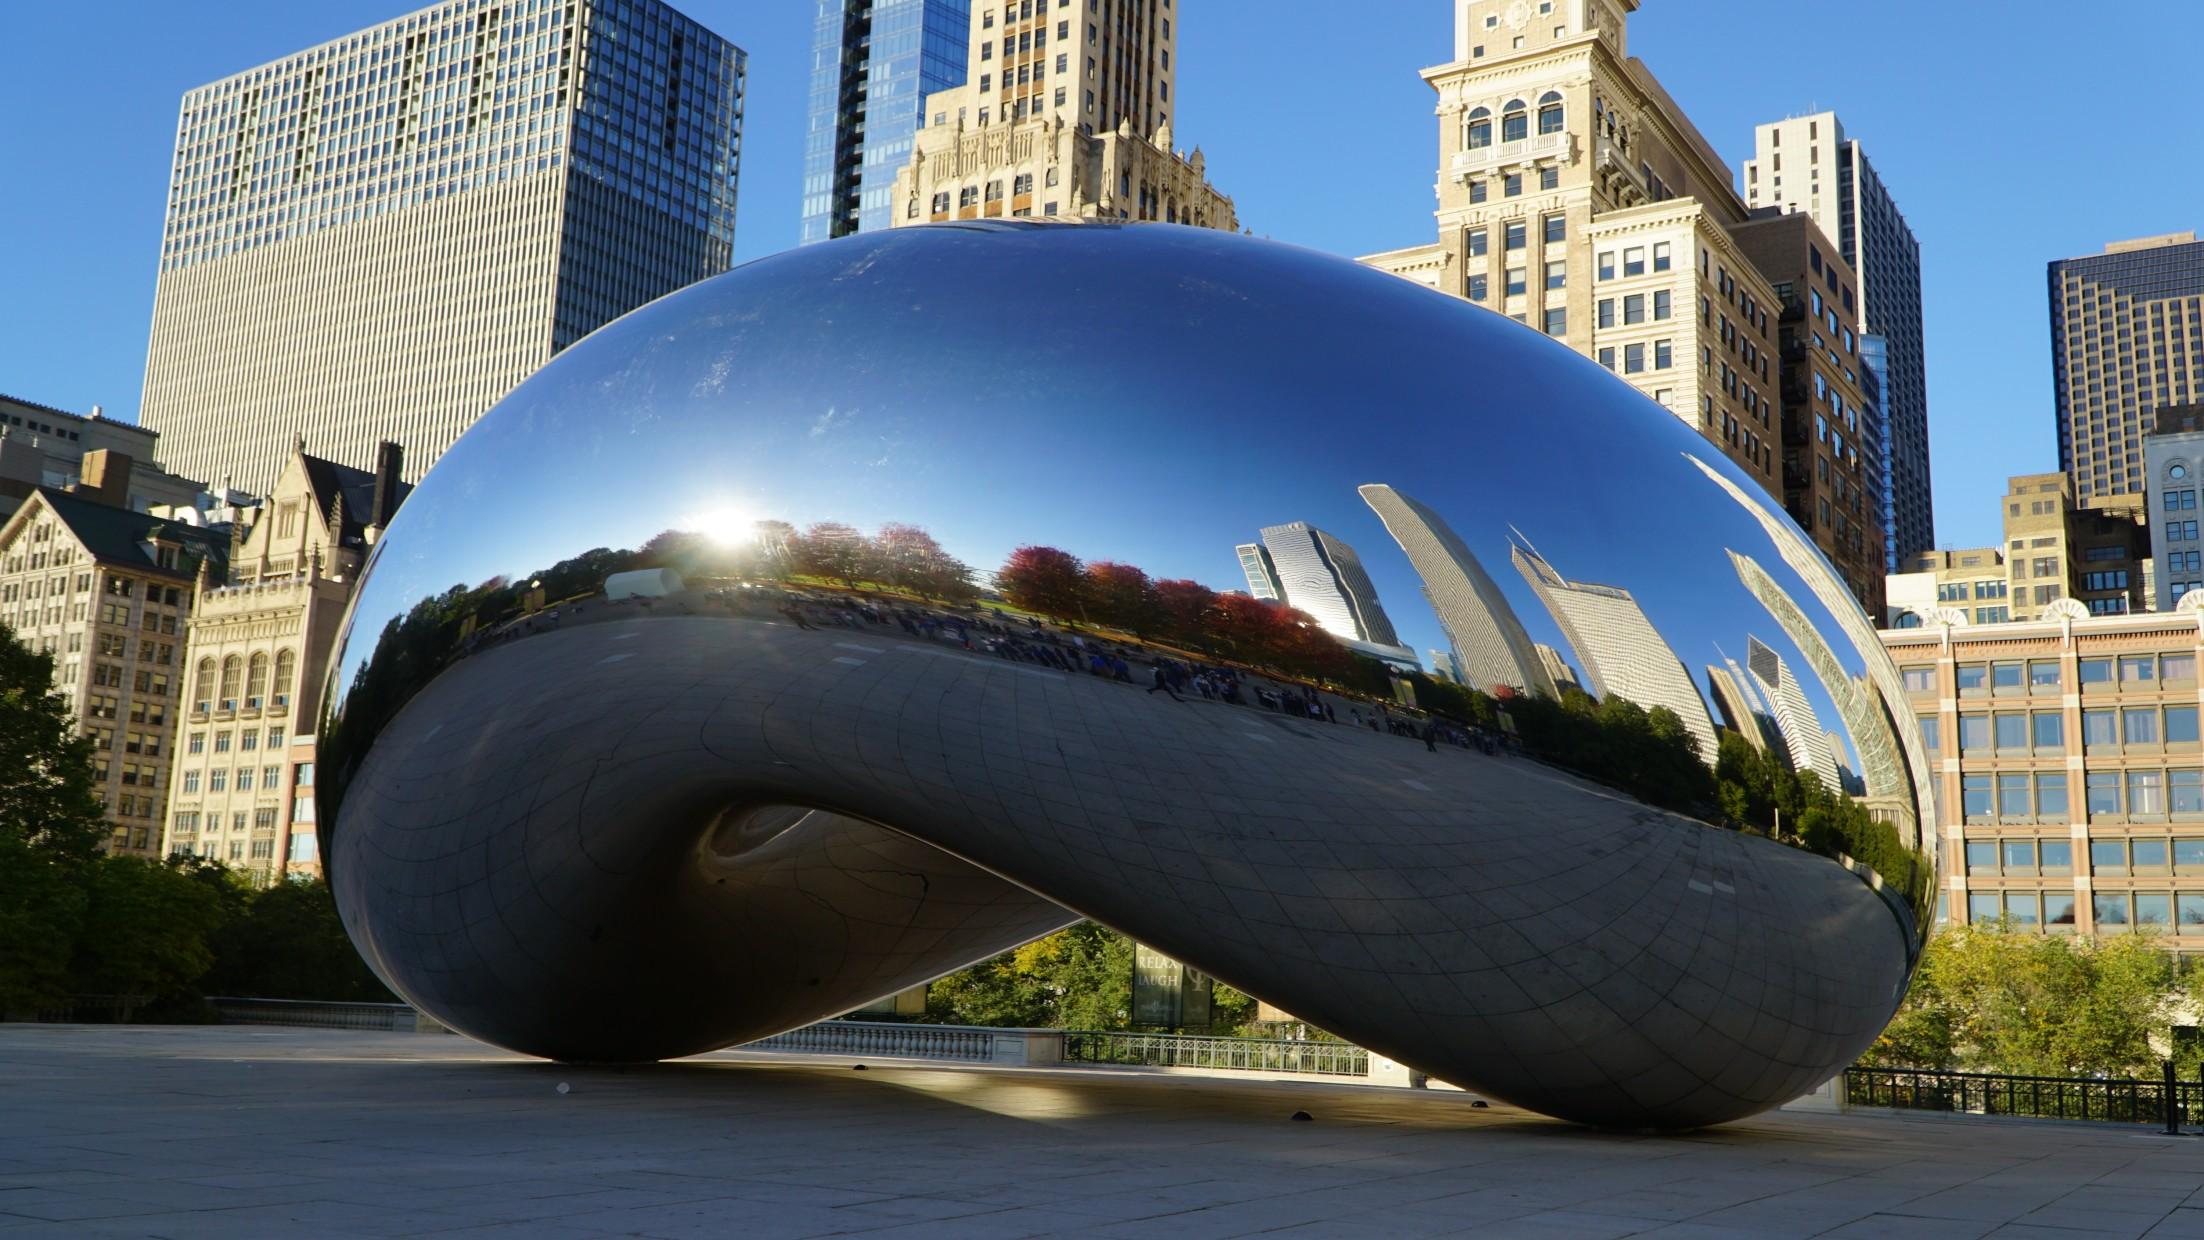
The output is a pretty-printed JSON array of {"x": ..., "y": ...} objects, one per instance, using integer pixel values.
[{"x": 880, "y": 605}]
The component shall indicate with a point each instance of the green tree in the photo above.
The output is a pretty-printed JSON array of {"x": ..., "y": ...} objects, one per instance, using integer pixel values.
[
  {"x": 1076, "y": 978},
  {"x": 1987, "y": 999},
  {"x": 41, "y": 913},
  {"x": 288, "y": 943},
  {"x": 47, "y": 798},
  {"x": 146, "y": 929}
]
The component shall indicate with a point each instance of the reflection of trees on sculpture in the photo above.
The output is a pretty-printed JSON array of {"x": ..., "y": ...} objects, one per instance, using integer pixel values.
[
  {"x": 1053, "y": 582},
  {"x": 1761, "y": 793}
]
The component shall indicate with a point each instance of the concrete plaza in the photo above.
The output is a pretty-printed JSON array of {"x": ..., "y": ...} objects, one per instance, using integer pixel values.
[{"x": 233, "y": 1131}]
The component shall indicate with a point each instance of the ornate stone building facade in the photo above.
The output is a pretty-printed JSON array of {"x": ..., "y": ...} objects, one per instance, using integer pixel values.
[
  {"x": 1065, "y": 113},
  {"x": 105, "y": 591},
  {"x": 1575, "y": 197},
  {"x": 241, "y": 788}
]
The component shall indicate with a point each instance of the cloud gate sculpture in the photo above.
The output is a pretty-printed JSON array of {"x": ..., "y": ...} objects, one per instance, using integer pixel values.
[{"x": 881, "y": 605}]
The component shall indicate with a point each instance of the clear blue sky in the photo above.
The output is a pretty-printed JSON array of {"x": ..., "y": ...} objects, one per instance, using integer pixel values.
[{"x": 2004, "y": 146}]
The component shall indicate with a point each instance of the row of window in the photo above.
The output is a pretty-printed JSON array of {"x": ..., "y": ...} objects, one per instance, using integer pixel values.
[
  {"x": 1511, "y": 184},
  {"x": 1634, "y": 357},
  {"x": 2115, "y": 911},
  {"x": 223, "y": 779},
  {"x": 245, "y": 679},
  {"x": 1515, "y": 121},
  {"x": 2130, "y": 672},
  {"x": 2138, "y": 855},
  {"x": 2103, "y": 731},
  {"x": 2023, "y": 797},
  {"x": 248, "y": 740}
]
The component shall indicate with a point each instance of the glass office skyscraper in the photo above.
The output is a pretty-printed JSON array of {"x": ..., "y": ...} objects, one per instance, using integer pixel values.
[
  {"x": 2127, "y": 339},
  {"x": 873, "y": 62},
  {"x": 378, "y": 237}
]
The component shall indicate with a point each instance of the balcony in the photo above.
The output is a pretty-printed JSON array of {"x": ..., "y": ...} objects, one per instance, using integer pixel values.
[{"x": 1557, "y": 146}]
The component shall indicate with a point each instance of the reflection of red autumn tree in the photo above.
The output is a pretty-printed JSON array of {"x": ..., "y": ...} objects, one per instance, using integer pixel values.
[
  {"x": 1043, "y": 579},
  {"x": 832, "y": 549},
  {"x": 1185, "y": 604},
  {"x": 1121, "y": 595}
]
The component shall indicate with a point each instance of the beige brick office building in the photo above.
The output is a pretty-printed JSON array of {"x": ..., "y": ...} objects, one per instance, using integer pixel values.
[
  {"x": 2070, "y": 785},
  {"x": 1575, "y": 196},
  {"x": 1065, "y": 113},
  {"x": 241, "y": 788},
  {"x": 106, "y": 591}
]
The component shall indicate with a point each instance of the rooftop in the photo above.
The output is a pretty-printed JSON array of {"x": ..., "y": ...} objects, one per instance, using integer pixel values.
[{"x": 228, "y": 1130}]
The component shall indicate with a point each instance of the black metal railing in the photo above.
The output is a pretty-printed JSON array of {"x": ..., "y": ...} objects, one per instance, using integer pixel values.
[
  {"x": 2167, "y": 1101},
  {"x": 1174, "y": 1050}
]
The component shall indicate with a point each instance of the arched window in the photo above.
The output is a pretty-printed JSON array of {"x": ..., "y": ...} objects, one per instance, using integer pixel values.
[
  {"x": 1549, "y": 112},
  {"x": 286, "y": 667},
  {"x": 1515, "y": 121},
  {"x": 2177, "y": 471},
  {"x": 202, "y": 687},
  {"x": 256, "y": 681},
  {"x": 233, "y": 671},
  {"x": 1477, "y": 130}
]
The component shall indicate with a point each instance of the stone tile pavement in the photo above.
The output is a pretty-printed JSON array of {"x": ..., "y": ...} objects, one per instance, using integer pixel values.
[{"x": 228, "y": 1131}]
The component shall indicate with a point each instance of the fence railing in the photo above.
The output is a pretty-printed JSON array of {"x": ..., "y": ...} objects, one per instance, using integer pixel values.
[
  {"x": 864, "y": 1037},
  {"x": 2111, "y": 1100},
  {"x": 311, "y": 1014},
  {"x": 1174, "y": 1050}
]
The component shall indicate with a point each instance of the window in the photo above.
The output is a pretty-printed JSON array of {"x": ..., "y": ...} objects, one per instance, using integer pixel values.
[
  {"x": 1664, "y": 354},
  {"x": 1633, "y": 261},
  {"x": 2013, "y": 804},
  {"x": 1516, "y": 235},
  {"x": 1477, "y": 287},
  {"x": 1920, "y": 679},
  {"x": 2095, "y": 674},
  {"x": 1549, "y": 112},
  {"x": 1476, "y": 191},
  {"x": 1478, "y": 242},
  {"x": 2181, "y": 725},
  {"x": 1984, "y": 906},
  {"x": 2010, "y": 731},
  {"x": 1557, "y": 319},
  {"x": 2043, "y": 677},
  {"x": 1515, "y": 122},
  {"x": 286, "y": 669},
  {"x": 2146, "y": 794},
  {"x": 2185, "y": 790},
  {"x": 1477, "y": 130},
  {"x": 1660, "y": 257},
  {"x": 1974, "y": 734},
  {"x": 1931, "y": 737},
  {"x": 2139, "y": 726},
  {"x": 1633, "y": 359},
  {"x": 2100, "y": 730},
  {"x": 218, "y": 781},
  {"x": 2177, "y": 667},
  {"x": 1972, "y": 678},
  {"x": 1557, "y": 274},
  {"x": 256, "y": 682},
  {"x": 1511, "y": 185},
  {"x": 1557, "y": 228},
  {"x": 2108, "y": 856},
  {"x": 2058, "y": 908},
  {"x": 1974, "y": 796},
  {"x": 2051, "y": 807},
  {"x": 2101, "y": 792},
  {"x": 1607, "y": 358},
  {"x": 1606, "y": 312},
  {"x": 1606, "y": 264},
  {"x": 1516, "y": 283},
  {"x": 1549, "y": 177},
  {"x": 2048, "y": 730},
  {"x": 1661, "y": 305}
]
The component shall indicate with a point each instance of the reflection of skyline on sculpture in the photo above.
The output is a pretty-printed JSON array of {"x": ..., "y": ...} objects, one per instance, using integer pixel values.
[
  {"x": 1316, "y": 572},
  {"x": 1615, "y": 642},
  {"x": 1490, "y": 647}
]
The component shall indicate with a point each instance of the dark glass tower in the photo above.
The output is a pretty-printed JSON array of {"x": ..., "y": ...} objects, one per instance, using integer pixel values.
[
  {"x": 2127, "y": 339},
  {"x": 873, "y": 63}
]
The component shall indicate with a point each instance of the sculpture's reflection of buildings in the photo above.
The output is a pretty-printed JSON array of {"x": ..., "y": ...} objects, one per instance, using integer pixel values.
[
  {"x": 1310, "y": 569},
  {"x": 1622, "y": 654},
  {"x": 1491, "y": 648}
]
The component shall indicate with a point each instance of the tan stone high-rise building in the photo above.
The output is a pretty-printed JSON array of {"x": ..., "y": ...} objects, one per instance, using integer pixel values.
[
  {"x": 1575, "y": 196},
  {"x": 1065, "y": 113},
  {"x": 2097, "y": 554},
  {"x": 106, "y": 592},
  {"x": 378, "y": 237},
  {"x": 241, "y": 790}
]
